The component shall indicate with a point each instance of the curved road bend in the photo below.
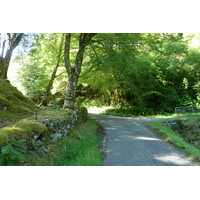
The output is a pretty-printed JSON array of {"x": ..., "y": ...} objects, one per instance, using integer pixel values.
[{"x": 130, "y": 143}]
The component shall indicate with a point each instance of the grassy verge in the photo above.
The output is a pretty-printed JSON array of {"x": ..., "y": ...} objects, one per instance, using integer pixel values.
[
  {"x": 127, "y": 112},
  {"x": 131, "y": 112},
  {"x": 81, "y": 148},
  {"x": 173, "y": 137}
]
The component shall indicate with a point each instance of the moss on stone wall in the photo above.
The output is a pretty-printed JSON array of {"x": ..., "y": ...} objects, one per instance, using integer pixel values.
[
  {"x": 37, "y": 132},
  {"x": 32, "y": 126},
  {"x": 14, "y": 133},
  {"x": 3, "y": 139}
]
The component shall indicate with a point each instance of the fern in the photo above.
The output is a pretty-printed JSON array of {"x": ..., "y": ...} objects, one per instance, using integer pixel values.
[{"x": 13, "y": 153}]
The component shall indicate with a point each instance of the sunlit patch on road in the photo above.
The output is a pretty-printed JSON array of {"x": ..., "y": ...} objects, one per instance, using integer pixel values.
[
  {"x": 146, "y": 138},
  {"x": 173, "y": 158}
]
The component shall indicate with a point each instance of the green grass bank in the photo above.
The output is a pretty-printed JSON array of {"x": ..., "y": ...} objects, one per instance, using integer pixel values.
[{"x": 174, "y": 137}]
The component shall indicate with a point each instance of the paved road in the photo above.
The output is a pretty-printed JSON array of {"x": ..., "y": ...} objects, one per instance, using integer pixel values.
[{"x": 129, "y": 143}]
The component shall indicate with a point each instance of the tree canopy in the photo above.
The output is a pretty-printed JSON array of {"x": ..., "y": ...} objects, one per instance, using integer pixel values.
[{"x": 149, "y": 72}]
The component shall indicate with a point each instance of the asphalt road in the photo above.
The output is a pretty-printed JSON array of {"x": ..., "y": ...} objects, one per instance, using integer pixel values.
[{"x": 129, "y": 143}]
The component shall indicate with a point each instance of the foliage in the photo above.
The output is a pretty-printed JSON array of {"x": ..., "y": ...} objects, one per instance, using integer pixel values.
[
  {"x": 145, "y": 71},
  {"x": 155, "y": 71},
  {"x": 38, "y": 64},
  {"x": 13, "y": 153}
]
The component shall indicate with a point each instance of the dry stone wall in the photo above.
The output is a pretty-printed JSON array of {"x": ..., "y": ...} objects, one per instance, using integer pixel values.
[{"x": 38, "y": 133}]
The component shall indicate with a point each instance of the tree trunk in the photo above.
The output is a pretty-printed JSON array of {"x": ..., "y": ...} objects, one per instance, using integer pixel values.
[
  {"x": 45, "y": 99},
  {"x": 5, "y": 61},
  {"x": 71, "y": 90},
  {"x": 74, "y": 72},
  {"x": 4, "y": 64}
]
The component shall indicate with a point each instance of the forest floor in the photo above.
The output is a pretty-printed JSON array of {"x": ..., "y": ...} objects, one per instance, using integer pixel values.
[{"x": 130, "y": 143}]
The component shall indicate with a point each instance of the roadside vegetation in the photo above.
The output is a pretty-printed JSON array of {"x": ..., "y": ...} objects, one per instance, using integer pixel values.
[
  {"x": 185, "y": 137},
  {"x": 80, "y": 148},
  {"x": 134, "y": 74},
  {"x": 134, "y": 112}
]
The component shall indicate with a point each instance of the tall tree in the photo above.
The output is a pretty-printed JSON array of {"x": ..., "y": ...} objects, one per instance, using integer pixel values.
[
  {"x": 53, "y": 75},
  {"x": 73, "y": 72},
  {"x": 42, "y": 66},
  {"x": 8, "y": 42}
]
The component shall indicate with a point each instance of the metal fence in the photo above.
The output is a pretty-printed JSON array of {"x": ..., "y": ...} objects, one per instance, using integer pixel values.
[{"x": 187, "y": 109}]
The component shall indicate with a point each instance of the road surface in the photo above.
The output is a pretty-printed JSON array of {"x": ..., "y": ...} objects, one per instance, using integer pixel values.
[{"x": 129, "y": 143}]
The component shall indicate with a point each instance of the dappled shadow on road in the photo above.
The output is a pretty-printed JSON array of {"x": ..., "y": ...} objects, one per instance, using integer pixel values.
[
  {"x": 130, "y": 143},
  {"x": 155, "y": 156}
]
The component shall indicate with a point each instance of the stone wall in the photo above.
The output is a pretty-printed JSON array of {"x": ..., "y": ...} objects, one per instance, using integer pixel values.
[{"x": 38, "y": 133}]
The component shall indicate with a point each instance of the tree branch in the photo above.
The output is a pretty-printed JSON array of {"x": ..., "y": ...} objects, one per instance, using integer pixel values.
[
  {"x": 3, "y": 47},
  {"x": 60, "y": 74},
  {"x": 16, "y": 40},
  {"x": 84, "y": 40},
  {"x": 67, "y": 51}
]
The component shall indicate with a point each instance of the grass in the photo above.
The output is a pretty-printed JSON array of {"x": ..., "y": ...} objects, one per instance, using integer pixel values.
[
  {"x": 127, "y": 113},
  {"x": 81, "y": 148},
  {"x": 134, "y": 115},
  {"x": 173, "y": 137}
]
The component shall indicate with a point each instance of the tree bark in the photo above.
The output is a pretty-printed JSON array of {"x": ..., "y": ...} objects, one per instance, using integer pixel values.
[
  {"x": 74, "y": 72},
  {"x": 5, "y": 61},
  {"x": 71, "y": 90}
]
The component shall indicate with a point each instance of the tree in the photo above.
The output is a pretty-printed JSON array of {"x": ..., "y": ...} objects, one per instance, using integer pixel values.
[
  {"x": 140, "y": 70},
  {"x": 42, "y": 66},
  {"x": 8, "y": 42},
  {"x": 73, "y": 72},
  {"x": 47, "y": 93}
]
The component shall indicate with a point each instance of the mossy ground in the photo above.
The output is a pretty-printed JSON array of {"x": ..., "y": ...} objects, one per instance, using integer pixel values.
[{"x": 13, "y": 100}]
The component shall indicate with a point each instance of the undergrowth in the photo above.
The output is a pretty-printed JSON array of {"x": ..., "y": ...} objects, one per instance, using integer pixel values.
[
  {"x": 13, "y": 153},
  {"x": 80, "y": 148}
]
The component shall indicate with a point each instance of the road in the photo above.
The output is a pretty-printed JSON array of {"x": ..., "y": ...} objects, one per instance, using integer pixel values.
[{"x": 128, "y": 142}]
